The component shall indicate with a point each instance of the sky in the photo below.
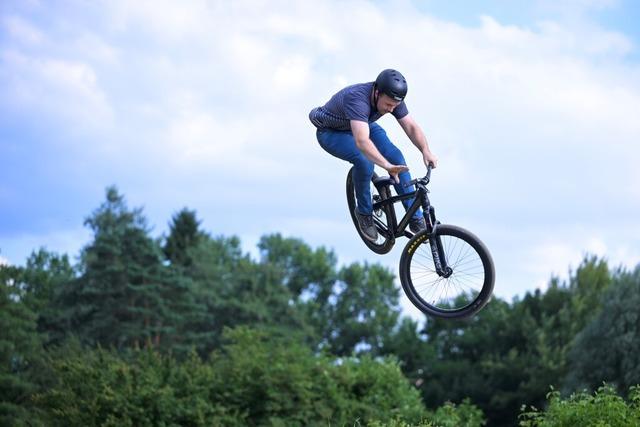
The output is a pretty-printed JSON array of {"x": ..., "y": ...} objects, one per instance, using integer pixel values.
[{"x": 533, "y": 109}]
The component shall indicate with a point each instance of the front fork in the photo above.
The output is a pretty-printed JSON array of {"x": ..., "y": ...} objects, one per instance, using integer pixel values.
[{"x": 435, "y": 242}]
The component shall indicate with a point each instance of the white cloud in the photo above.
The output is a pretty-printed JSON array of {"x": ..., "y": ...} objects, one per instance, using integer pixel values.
[
  {"x": 292, "y": 74},
  {"x": 94, "y": 48},
  {"x": 22, "y": 31},
  {"x": 4, "y": 261},
  {"x": 55, "y": 88},
  {"x": 564, "y": 250},
  {"x": 535, "y": 126},
  {"x": 197, "y": 138},
  {"x": 162, "y": 19},
  {"x": 289, "y": 26}
]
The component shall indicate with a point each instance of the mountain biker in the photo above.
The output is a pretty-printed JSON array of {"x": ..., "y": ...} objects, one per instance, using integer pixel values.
[{"x": 346, "y": 129}]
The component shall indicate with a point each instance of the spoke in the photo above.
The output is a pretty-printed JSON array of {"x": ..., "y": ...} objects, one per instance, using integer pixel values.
[
  {"x": 456, "y": 291},
  {"x": 459, "y": 254},
  {"x": 466, "y": 262},
  {"x": 425, "y": 277},
  {"x": 423, "y": 256},
  {"x": 471, "y": 271},
  {"x": 430, "y": 267},
  {"x": 465, "y": 256},
  {"x": 451, "y": 249},
  {"x": 428, "y": 284},
  {"x": 460, "y": 282}
]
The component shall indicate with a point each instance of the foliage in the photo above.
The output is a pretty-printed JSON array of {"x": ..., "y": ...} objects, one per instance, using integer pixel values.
[
  {"x": 463, "y": 415},
  {"x": 99, "y": 387},
  {"x": 607, "y": 348},
  {"x": 189, "y": 329},
  {"x": 351, "y": 309},
  {"x": 233, "y": 290},
  {"x": 184, "y": 234},
  {"x": 449, "y": 415},
  {"x": 256, "y": 379},
  {"x": 507, "y": 355},
  {"x": 366, "y": 308},
  {"x": 19, "y": 347},
  {"x": 603, "y": 408},
  {"x": 120, "y": 299}
]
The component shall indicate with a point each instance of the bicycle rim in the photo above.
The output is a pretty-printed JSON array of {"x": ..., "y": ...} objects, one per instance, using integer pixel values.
[
  {"x": 465, "y": 291},
  {"x": 385, "y": 240}
]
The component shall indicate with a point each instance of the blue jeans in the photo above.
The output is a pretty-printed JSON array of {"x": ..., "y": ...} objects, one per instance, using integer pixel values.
[{"x": 342, "y": 145}]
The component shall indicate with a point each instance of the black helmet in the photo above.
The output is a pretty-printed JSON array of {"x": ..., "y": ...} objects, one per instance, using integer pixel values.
[{"x": 392, "y": 83}]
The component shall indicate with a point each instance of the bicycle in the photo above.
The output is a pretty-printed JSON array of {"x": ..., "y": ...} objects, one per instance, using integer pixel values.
[{"x": 445, "y": 270}]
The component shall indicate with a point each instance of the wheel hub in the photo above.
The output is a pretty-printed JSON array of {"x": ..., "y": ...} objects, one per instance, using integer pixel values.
[{"x": 447, "y": 272}]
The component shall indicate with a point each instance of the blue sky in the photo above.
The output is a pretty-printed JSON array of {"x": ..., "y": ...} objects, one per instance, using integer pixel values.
[{"x": 532, "y": 108}]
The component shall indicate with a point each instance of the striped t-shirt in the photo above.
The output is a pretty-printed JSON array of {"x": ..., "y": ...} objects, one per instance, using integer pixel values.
[{"x": 351, "y": 103}]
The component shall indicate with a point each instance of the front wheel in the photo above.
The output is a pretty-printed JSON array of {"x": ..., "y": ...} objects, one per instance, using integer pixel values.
[{"x": 464, "y": 289}]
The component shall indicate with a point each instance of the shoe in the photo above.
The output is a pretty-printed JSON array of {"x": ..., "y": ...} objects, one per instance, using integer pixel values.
[
  {"x": 417, "y": 224},
  {"x": 365, "y": 223}
]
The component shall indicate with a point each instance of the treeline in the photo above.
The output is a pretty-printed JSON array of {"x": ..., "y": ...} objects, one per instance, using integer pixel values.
[{"x": 187, "y": 329}]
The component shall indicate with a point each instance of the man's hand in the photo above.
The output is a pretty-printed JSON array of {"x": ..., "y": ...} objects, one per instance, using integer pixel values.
[
  {"x": 394, "y": 170},
  {"x": 429, "y": 157}
]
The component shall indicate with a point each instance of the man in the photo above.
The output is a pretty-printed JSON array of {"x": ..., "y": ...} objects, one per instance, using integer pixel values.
[{"x": 346, "y": 129}]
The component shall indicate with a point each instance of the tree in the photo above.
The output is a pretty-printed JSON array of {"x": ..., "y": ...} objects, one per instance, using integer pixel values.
[
  {"x": 412, "y": 350},
  {"x": 233, "y": 290},
  {"x": 607, "y": 348},
  {"x": 587, "y": 285},
  {"x": 256, "y": 378},
  {"x": 509, "y": 354},
  {"x": 353, "y": 309},
  {"x": 184, "y": 235},
  {"x": 308, "y": 274},
  {"x": 364, "y": 312},
  {"x": 43, "y": 280},
  {"x": 276, "y": 380},
  {"x": 120, "y": 299},
  {"x": 481, "y": 358},
  {"x": 20, "y": 348}
]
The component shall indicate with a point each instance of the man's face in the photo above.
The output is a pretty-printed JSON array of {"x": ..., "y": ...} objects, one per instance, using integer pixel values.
[{"x": 386, "y": 104}]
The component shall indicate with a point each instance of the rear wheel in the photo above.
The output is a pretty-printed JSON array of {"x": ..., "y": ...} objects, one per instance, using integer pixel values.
[
  {"x": 463, "y": 290},
  {"x": 381, "y": 217}
]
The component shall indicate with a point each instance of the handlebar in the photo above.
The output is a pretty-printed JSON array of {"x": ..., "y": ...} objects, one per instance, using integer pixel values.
[{"x": 424, "y": 181}]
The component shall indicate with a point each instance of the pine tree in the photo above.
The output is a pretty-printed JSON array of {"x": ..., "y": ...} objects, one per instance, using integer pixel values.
[
  {"x": 20, "y": 348},
  {"x": 44, "y": 278},
  {"x": 119, "y": 299},
  {"x": 184, "y": 235}
]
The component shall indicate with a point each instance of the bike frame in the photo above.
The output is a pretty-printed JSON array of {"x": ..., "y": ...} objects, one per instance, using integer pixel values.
[{"x": 421, "y": 200}]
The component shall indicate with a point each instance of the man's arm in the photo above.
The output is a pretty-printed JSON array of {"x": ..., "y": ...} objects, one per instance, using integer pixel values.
[
  {"x": 360, "y": 131},
  {"x": 417, "y": 137}
]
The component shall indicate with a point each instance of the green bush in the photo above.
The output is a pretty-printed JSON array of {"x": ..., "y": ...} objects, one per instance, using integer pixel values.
[
  {"x": 603, "y": 408},
  {"x": 99, "y": 387},
  {"x": 274, "y": 381},
  {"x": 448, "y": 415},
  {"x": 463, "y": 415},
  {"x": 258, "y": 378}
]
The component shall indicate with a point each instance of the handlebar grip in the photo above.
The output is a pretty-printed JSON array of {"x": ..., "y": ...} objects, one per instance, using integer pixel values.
[{"x": 427, "y": 177}]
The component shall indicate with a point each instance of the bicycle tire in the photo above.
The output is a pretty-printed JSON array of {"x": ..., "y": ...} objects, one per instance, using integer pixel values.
[
  {"x": 386, "y": 239},
  {"x": 472, "y": 267}
]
